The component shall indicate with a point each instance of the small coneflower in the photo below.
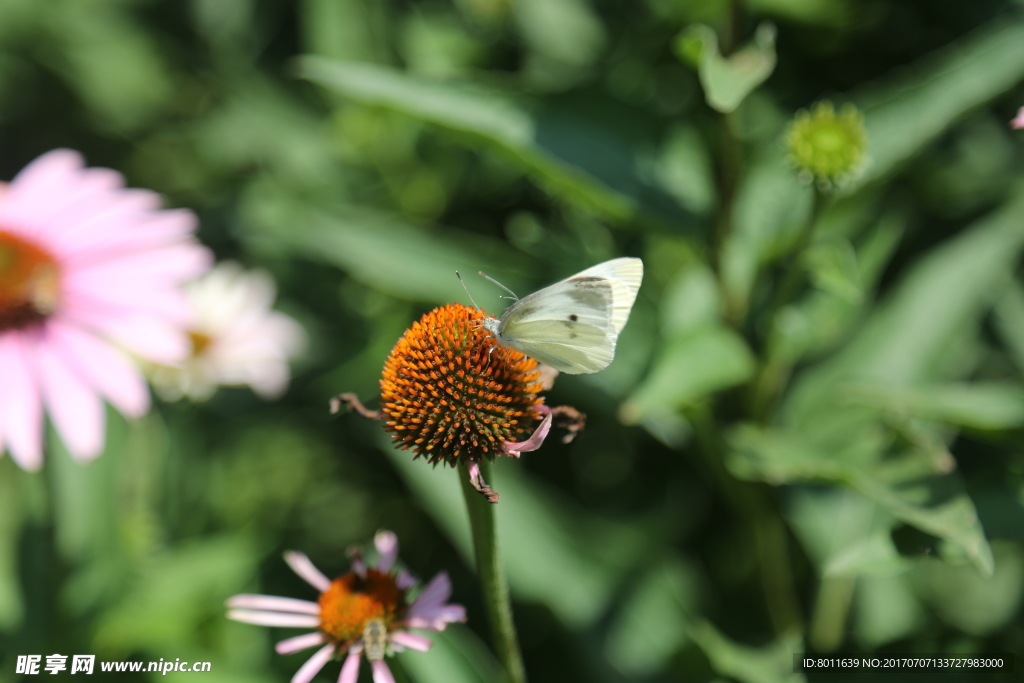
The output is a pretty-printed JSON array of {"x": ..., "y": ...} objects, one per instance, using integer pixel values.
[
  {"x": 365, "y": 612},
  {"x": 828, "y": 146},
  {"x": 449, "y": 393}
]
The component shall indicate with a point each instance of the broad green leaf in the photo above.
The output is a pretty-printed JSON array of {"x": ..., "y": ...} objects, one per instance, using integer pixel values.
[
  {"x": 571, "y": 156},
  {"x": 886, "y": 609},
  {"x": 975, "y": 604},
  {"x": 690, "y": 301},
  {"x": 651, "y": 626},
  {"x": 780, "y": 457},
  {"x": 728, "y": 80},
  {"x": 875, "y": 555},
  {"x": 981, "y": 405},
  {"x": 688, "y": 368},
  {"x": 907, "y": 338},
  {"x": 908, "y": 111},
  {"x": 772, "y": 663},
  {"x": 1009, "y": 321},
  {"x": 379, "y": 251}
]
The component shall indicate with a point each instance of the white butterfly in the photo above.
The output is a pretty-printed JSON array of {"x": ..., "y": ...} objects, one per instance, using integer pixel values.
[{"x": 573, "y": 325}]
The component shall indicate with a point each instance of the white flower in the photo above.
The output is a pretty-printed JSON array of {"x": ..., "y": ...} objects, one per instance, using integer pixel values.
[{"x": 237, "y": 339}]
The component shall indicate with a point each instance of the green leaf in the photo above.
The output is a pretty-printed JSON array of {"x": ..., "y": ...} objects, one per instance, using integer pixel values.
[
  {"x": 905, "y": 113},
  {"x": 886, "y": 609},
  {"x": 772, "y": 663},
  {"x": 652, "y": 624},
  {"x": 976, "y": 604},
  {"x": 688, "y": 368},
  {"x": 728, "y": 80},
  {"x": 1009, "y": 321},
  {"x": 907, "y": 339},
  {"x": 575, "y": 158},
  {"x": 853, "y": 457},
  {"x": 980, "y": 406}
]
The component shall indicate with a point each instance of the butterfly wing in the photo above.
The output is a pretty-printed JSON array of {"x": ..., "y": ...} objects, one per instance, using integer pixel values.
[{"x": 573, "y": 325}]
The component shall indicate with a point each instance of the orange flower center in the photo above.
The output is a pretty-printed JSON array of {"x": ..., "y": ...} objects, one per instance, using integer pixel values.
[
  {"x": 351, "y": 601},
  {"x": 29, "y": 282}
]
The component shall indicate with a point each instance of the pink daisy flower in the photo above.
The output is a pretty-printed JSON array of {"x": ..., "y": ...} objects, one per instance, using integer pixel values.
[
  {"x": 365, "y": 612},
  {"x": 88, "y": 271},
  {"x": 1018, "y": 122}
]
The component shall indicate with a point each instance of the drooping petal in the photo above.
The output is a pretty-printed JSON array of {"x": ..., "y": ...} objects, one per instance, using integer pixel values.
[
  {"x": 302, "y": 566},
  {"x": 386, "y": 543},
  {"x": 430, "y": 610},
  {"x": 299, "y": 643},
  {"x": 274, "y": 618},
  {"x": 21, "y": 405},
  {"x": 74, "y": 407},
  {"x": 350, "y": 669},
  {"x": 413, "y": 641},
  {"x": 273, "y": 603},
  {"x": 405, "y": 580},
  {"x": 313, "y": 665},
  {"x": 514, "y": 448},
  {"x": 381, "y": 672}
]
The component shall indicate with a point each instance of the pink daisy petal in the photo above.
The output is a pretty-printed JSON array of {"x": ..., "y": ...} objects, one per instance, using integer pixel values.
[
  {"x": 387, "y": 546},
  {"x": 413, "y": 641},
  {"x": 350, "y": 669},
  {"x": 1018, "y": 122},
  {"x": 299, "y": 643},
  {"x": 302, "y": 566},
  {"x": 313, "y": 665},
  {"x": 103, "y": 366},
  {"x": 21, "y": 406},
  {"x": 274, "y": 618},
  {"x": 405, "y": 580},
  {"x": 273, "y": 603},
  {"x": 381, "y": 672},
  {"x": 76, "y": 411}
]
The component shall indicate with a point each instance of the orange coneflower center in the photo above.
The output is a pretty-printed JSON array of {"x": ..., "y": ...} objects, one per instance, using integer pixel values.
[
  {"x": 351, "y": 601},
  {"x": 449, "y": 392},
  {"x": 29, "y": 282}
]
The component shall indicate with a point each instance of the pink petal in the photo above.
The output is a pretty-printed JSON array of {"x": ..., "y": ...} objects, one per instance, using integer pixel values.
[
  {"x": 1018, "y": 122},
  {"x": 314, "y": 664},
  {"x": 405, "y": 580},
  {"x": 413, "y": 641},
  {"x": 273, "y": 603},
  {"x": 274, "y": 618},
  {"x": 74, "y": 407},
  {"x": 103, "y": 366},
  {"x": 350, "y": 669},
  {"x": 381, "y": 672},
  {"x": 21, "y": 407},
  {"x": 430, "y": 610},
  {"x": 302, "y": 566},
  {"x": 533, "y": 443},
  {"x": 386, "y": 543},
  {"x": 299, "y": 643}
]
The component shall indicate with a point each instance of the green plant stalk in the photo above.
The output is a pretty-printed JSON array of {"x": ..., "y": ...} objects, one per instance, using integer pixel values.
[
  {"x": 830, "y": 612},
  {"x": 774, "y": 372},
  {"x": 492, "y": 575}
]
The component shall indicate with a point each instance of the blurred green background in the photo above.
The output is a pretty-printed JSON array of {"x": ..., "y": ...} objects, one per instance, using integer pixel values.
[{"x": 844, "y": 476}]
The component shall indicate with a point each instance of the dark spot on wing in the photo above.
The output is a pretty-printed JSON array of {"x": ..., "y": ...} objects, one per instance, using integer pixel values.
[{"x": 574, "y": 317}]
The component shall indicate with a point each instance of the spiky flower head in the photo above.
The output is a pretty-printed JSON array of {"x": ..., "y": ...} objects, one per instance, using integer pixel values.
[
  {"x": 828, "y": 147},
  {"x": 448, "y": 391}
]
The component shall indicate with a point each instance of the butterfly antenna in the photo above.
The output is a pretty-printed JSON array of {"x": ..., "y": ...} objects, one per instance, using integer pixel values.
[
  {"x": 467, "y": 290},
  {"x": 488, "y": 277}
]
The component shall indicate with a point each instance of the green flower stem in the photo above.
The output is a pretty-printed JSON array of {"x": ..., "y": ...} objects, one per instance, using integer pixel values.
[
  {"x": 492, "y": 575},
  {"x": 774, "y": 372},
  {"x": 830, "y": 612}
]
